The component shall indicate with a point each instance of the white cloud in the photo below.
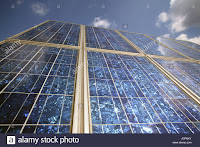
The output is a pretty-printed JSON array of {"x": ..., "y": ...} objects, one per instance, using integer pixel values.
[
  {"x": 182, "y": 14},
  {"x": 182, "y": 37},
  {"x": 99, "y": 22},
  {"x": 40, "y": 8},
  {"x": 166, "y": 35},
  {"x": 162, "y": 49},
  {"x": 185, "y": 37},
  {"x": 178, "y": 25},
  {"x": 19, "y": 2},
  {"x": 163, "y": 17},
  {"x": 172, "y": 2}
]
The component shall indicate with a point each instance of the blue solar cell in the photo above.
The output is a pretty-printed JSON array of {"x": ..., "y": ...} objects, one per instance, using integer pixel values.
[
  {"x": 97, "y": 129},
  {"x": 3, "y": 129},
  {"x": 37, "y": 110},
  {"x": 108, "y": 116},
  {"x": 15, "y": 129},
  {"x": 46, "y": 129},
  {"x": 171, "y": 128},
  {"x": 64, "y": 129},
  {"x": 126, "y": 129},
  {"x": 149, "y": 129},
  {"x": 52, "y": 110},
  {"x": 24, "y": 112},
  {"x": 112, "y": 129},
  {"x": 66, "y": 112},
  {"x": 182, "y": 128},
  {"x": 12, "y": 105},
  {"x": 120, "y": 111},
  {"x": 136, "y": 128}
]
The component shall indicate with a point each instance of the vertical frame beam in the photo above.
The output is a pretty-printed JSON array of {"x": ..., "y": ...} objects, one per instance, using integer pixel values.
[
  {"x": 87, "y": 110},
  {"x": 78, "y": 113},
  {"x": 81, "y": 115}
]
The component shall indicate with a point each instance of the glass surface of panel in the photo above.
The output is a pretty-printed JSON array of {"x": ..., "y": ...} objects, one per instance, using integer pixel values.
[
  {"x": 130, "y": 95},
  {"x": 32, "y": 33},
  {"x": 179, "y": 47},
  {"x": 186, "y": 72},
  {"x": 61, "y": 35},
  {"x": 149, "y": 46},
  {"x": 46, "y": 35},
  {"x": 73, "y": 36},
  {"x": 106, "y": 39},
  {"x": 41, "y": 75},
  {"x": 190, "y": 44},
  {"x": 54, "y": 32}
]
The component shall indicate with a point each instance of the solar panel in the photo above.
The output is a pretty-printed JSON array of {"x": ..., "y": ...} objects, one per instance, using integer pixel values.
[
  {"x": 37, "y": 89},
  {"x": 130, "y": 95}
]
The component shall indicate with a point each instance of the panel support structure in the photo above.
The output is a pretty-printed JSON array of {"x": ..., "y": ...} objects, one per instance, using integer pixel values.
[
  {"x": 81, "y": 114},
  {"x": 87, "y": 110},
  {"x": 78, "y": 113}
]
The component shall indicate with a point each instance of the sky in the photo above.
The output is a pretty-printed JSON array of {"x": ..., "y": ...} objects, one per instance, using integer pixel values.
[{"x": 170, "y": 18}]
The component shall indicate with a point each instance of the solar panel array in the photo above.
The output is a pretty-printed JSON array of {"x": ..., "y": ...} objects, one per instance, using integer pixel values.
[{"x": 127, "y": 94}]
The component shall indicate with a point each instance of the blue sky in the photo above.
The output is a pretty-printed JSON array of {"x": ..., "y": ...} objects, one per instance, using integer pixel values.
[{"x": 171, "y": 18}]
